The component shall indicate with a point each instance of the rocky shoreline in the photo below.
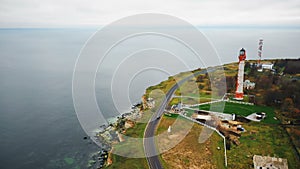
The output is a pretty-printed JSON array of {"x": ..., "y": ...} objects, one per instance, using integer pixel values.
[{"x": 113, "y": 132}]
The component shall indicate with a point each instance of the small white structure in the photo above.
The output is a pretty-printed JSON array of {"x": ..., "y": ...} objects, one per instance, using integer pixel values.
[
  {"x": 249, "y": 85},
  {"x": 233, "y": 117},
  {"x": 169, "y": 129}
]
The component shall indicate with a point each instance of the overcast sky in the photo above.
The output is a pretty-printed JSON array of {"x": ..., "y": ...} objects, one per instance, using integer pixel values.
[{"x": 70, "y": 13}]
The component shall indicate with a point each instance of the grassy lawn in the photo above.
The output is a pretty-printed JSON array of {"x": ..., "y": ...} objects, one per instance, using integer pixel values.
[
  {"x": 202, "y": 95},
  {"x": 128, "y": 163},
  {"x": 189, "y": 113},
  {"x": 189, "y": 100},
  {"x": 218, "y": 155},
  {"x": 168, "y": 84},
  {"x": 245, "y": 110},
  {"x": 172, "y": 119},
  {"x": 262, "y": 139},
  {"x": 294, "y": 133}
]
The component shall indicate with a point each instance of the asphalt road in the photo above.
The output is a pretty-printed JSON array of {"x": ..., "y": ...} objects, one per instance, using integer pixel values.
[{"x": 149, "y": 139}]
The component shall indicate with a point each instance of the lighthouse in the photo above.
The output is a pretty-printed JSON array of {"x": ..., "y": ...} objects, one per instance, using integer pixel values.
[{"x": 239, "y": 94}]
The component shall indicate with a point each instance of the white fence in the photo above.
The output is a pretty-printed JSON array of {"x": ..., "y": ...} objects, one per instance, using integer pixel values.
[{"x": 239, "y": 102}]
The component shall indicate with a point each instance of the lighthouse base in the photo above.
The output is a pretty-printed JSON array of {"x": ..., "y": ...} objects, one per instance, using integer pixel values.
[{"x": 239, "y": 96}]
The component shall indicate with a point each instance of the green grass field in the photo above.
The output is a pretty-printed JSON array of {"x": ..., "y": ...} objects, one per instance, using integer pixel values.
[
  {"x": 262, "y": 139},
  {"x": 128, "y": 163},
  {"x": 189, "y": 113},
  {"x": 189, "y": 100},
  {"x": 244, "y": 110}
]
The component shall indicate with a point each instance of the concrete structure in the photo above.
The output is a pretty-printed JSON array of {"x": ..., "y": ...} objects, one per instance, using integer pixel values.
[
  {"x": 239, "y": 94},
  {"x": 266, "y": 162},
  {"x": 202, "y": 117}
]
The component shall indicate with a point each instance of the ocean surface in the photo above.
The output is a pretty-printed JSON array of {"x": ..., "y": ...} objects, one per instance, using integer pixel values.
[{"x": 38, "y": 124}]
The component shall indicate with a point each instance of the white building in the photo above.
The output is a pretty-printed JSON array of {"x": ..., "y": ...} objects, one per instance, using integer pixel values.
[
  {"x": 268, "y": 66},
  {"x": 265, "y": 66}
]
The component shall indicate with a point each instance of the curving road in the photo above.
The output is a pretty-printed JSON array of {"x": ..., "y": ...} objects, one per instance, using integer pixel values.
[{"x": 149, "y": 140}]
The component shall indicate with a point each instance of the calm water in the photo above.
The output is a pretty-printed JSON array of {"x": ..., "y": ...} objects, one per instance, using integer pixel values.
[
  {"x": 39, "y": 128},
  {"x": 38, "y": 124}
]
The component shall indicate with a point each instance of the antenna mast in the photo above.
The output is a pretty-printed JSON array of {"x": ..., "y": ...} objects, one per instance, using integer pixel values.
[{"x": 260, "y": 47}]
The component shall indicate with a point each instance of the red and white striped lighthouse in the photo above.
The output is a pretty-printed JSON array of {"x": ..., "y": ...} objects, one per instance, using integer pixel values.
[{"x": 239, "y": 94}]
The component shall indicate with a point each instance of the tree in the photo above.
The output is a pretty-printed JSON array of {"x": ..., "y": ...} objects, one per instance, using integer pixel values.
[
  {"x": 288, "y": 105},
  {"x": 273, "y": 97},
  {"x": 200, "y": 78},
  {"x": 201, "y": 86},
  {"x": 264, "y": 82}
]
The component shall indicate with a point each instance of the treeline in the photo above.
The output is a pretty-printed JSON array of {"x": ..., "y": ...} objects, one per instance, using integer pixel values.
[
  {"x": 279, "y": 87},
  {"x": 288, "y": 66}
]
